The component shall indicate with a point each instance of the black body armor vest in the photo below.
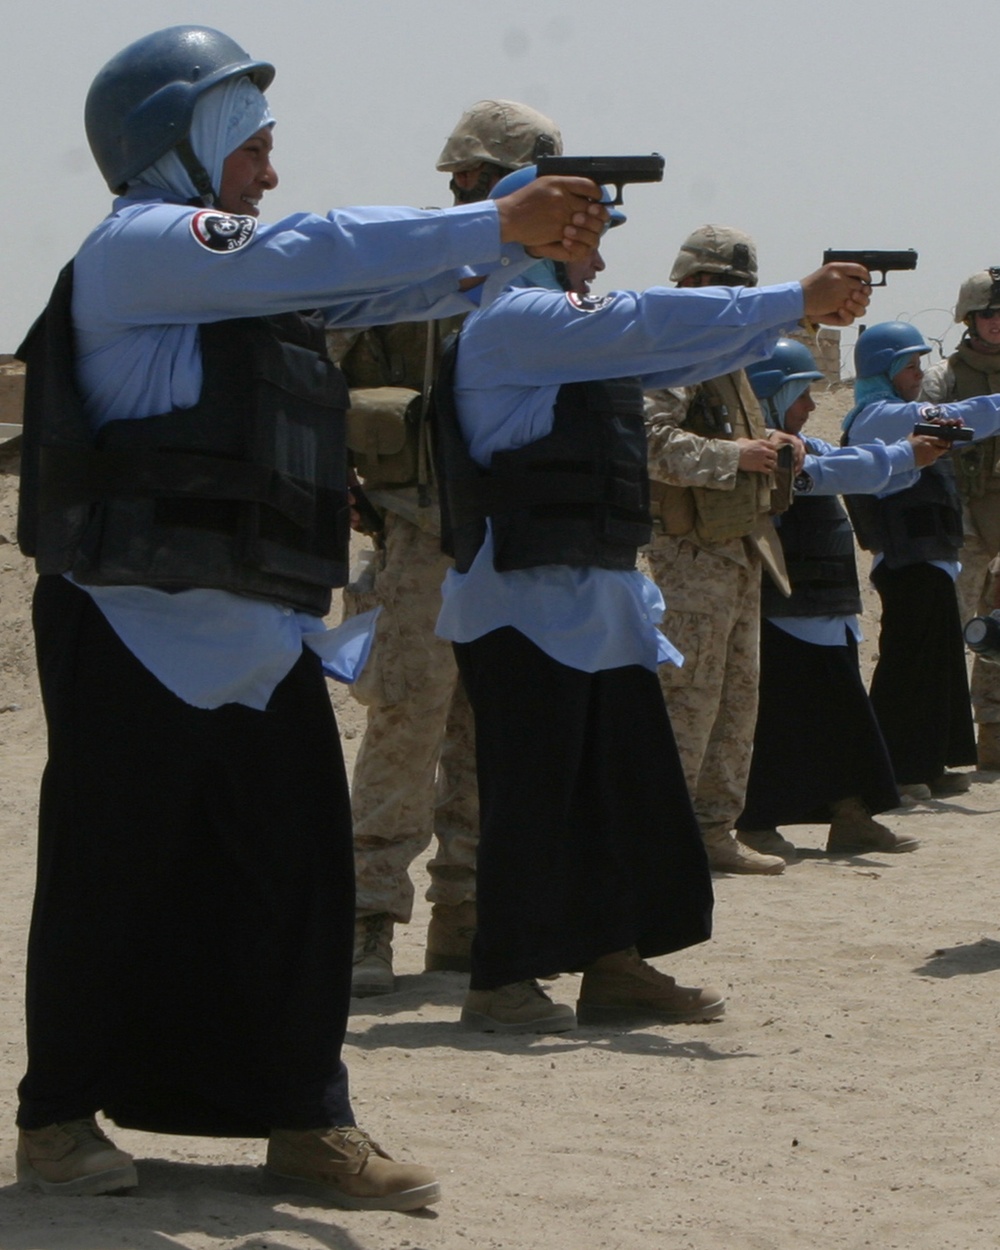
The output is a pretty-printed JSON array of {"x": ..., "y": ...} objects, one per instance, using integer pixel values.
[
  {"x": 577, "y": 496},
  {"x": 246, "y": 491},
  {"x": 921, "y": 523},
  {"x": 818, "y": 543}
]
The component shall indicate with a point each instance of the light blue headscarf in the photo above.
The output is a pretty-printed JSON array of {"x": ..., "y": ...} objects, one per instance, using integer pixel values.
[
  {"x": 224, "y": 117},
  {"x": 870, "y": 390},
  {"x": 783, "y": 398},
  {"x": 542, "y": 273}
]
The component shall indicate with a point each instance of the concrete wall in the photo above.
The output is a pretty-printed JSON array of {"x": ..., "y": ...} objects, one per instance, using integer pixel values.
[
  {"x": 11, "y": 396},
  {"x": 825, "y": 347},
  {"x": 11, "y": 390}
]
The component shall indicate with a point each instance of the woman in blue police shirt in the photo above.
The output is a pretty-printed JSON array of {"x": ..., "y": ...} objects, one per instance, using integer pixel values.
[
  {"x": 184, "y": 496},
  {"x": 589, "y": 855}
]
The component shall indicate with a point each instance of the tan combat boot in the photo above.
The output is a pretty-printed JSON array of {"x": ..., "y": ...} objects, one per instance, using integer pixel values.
[
  {"x": 852, "y": 830},
  {"x": 74, "y": 1158},
  {"x": 521, "y": 1007},
  {"x": 725, "y": 854},
  {"x": 449, "y": 937},
  {"x": 344, "y": 1167},
  {"x": 914, "y": 793},
  {"x": 949, "y": 784},
  {"x": 372, "y": 971},
  {"x": 621, "y": 988},
  {"x": 988, "y": 746},
  {"x": 768, "y": 842}
]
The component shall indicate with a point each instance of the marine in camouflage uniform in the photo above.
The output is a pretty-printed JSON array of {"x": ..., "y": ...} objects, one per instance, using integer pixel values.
[
  {"x": 415, "y": 772},
  {"x": 974, "y": 369},
  {"x": 711, "y": 469}
]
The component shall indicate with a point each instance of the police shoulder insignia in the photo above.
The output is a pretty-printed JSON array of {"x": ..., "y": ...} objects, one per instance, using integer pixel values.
[
  {"x": 803, "y": 484},
  {"x": 930, "y": 412},
  {"x": 222, "y": 232},
  {"x": 585, "y": 304}
]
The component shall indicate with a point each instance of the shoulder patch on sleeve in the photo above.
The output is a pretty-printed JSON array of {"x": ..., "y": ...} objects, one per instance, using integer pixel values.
[
  {"x": 583, "y": 303},
  {"x": 222, "y": 232},
  {"x": 803, "y": 484},
  {"x": 930, "y": 412}
]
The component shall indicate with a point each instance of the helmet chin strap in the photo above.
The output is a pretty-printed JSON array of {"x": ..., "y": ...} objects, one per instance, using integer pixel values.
[{"x": 196, "y": 172}]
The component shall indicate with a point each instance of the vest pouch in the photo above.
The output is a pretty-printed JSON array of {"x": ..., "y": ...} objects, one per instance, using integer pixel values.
[
  {"x": 783, "y": 481},
  {"x": 673, "y": 509},
  {"x": 726, "y": 408},
  {"x": 866, "y": 521},
  {"x": 626, "y": 516},
  {"x": 726, "y": 514},
  {"x": 383, "y": 431},
  {"x": 977, "y": 468},
  {"x": 818, "y": 546},
  {"x": 302, "y": 530},
  {"x": 580, "y": 514},
  {"x": 577, "y": 496},
  {"x": 921, "y": 523}
]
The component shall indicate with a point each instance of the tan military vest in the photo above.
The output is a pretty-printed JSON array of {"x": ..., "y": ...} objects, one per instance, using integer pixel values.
[
  {"x": 723, "y": 407},
  {"x": 389, "y": 370},
  {"x": 976, "y": 467}
]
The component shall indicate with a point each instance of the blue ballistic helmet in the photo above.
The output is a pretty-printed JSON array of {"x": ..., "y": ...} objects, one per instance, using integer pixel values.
[
  {"x": 512, "y": 182},
  {"x": 141, "y": 103},
  {"x": 884, "y": 347},
  {"x": 790, "y": 361}
]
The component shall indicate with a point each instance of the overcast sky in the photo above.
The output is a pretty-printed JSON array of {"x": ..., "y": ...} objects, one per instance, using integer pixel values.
[{"x": 857, "y": 123}]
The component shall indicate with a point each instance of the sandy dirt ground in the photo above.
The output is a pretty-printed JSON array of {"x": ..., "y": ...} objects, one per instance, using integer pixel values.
[{"x": 848, "y": 1099}]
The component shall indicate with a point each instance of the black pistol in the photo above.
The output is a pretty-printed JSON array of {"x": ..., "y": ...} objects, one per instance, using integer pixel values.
[
  {"x": 617, "y": 170},
  {"x": 874, "y": 262},
  {"x": 950, "y": 433}
]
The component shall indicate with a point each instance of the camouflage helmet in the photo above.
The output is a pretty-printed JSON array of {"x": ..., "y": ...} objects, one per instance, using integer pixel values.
[
  {"x": 498, "y": 132},
  {"x": 717, "y": 249},
  {"x": 978, "y": 293}
]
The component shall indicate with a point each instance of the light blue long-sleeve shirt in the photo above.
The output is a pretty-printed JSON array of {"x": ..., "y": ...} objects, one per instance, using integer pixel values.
[
  {"x": 831, "y": 470},
  {"x": 887, "y": 421},
  {"x": 513, "y": 357},
  {"x": 144, "y": 281},
  {"x": 143, "y": 284}
]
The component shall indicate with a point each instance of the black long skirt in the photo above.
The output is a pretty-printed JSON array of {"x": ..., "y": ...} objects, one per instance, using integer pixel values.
[
  {"x": 816, "y": 739},
  {"x": 920, "y": 687},
  {"x": 588, "y": 841},
  {"x": 190, "y": 947}
]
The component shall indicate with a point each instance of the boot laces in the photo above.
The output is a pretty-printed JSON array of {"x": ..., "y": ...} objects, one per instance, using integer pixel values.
[
  {"x": 84, "y": 1131},
  {"x": 355, "y": 1136},
  {"x": 374, "y": 933}
]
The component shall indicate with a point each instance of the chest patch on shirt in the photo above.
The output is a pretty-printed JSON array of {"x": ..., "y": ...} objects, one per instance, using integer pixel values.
[
  {"x": 222, "y": 232},
  {"x": 583, "y": 303}
]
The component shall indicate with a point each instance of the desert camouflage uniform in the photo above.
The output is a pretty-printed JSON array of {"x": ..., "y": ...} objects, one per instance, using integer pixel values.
[
  {"x": 977, "y": 471},
  {"x": 415, "y": 771},
  {"x": 712, "y": 592}
]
